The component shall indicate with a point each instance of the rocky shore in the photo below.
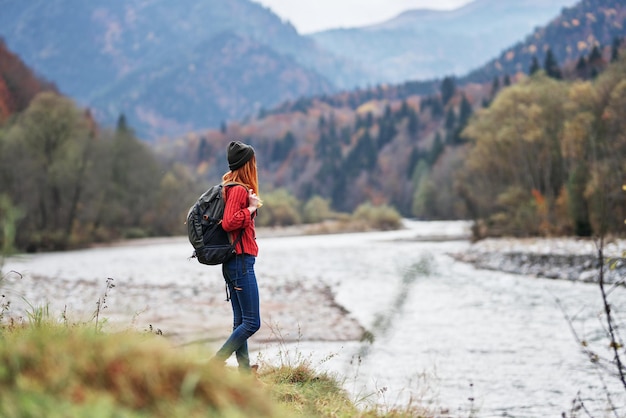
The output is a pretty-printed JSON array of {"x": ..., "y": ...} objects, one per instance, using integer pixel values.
[{"x": 552, "y": 258}]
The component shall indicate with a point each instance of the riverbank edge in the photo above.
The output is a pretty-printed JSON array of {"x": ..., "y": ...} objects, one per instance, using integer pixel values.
[{"x": 570, "y": 258}]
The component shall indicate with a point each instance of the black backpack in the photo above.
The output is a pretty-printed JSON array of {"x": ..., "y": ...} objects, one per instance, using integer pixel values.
[{"x": 212, "y": 245}]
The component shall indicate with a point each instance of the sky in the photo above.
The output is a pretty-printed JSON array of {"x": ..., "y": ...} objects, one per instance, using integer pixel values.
[{"x": 316, "y": 15}]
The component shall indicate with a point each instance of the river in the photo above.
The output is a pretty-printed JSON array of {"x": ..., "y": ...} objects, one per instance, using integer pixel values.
[{"x": 392, "y": 313}]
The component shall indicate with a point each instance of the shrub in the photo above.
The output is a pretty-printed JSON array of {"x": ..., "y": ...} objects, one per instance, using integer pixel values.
[
  {"x": 317, "y": 209},
  {"x": 280, "y": 208},
  {"x": 382, "y": 217}
]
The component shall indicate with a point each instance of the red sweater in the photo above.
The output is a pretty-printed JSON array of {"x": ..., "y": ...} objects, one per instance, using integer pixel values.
[{"x": 237, "y": 217}]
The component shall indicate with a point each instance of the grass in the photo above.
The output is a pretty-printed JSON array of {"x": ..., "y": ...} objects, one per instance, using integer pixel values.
[
  {"x": 70, "y": 371},
  {"x": 307, "y": 393},
  {"x": 54, "y": 369}
]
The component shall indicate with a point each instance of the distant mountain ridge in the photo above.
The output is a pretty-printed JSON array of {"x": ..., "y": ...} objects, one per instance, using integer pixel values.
[{"x": 423, "y": 44}]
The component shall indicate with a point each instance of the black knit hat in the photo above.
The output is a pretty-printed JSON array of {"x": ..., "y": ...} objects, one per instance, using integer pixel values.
[{"x": 238, "y": 154}]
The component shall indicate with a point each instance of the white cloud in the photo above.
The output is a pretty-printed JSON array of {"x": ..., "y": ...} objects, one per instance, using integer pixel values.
[{"x": 313, "y": 16}]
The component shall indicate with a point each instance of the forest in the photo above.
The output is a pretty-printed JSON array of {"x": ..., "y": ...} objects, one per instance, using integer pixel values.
[
  {"x": 548, "y": 157},
  {"x": 542, "y": 153},
  {"x": 499, "y": 153},
  {"x": 67, "y": 184}
]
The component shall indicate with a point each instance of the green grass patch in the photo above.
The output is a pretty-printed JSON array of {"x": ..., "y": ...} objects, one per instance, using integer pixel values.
[
  {"x": 58, "y": 371},
  {"x": 61, "y": 370}
]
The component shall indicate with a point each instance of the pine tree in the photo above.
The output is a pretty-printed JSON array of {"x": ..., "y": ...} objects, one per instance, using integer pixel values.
[
  {"x": 595, "y": 57},
  {"x": 436, "y": 150},
  {"x": 122, "y": 126},
  {"x": 495, "y": 86},
  {"x": 450, "y": 119},
  {"x": 448, "y": 88},
  {"x": 581, "y": 67},
  {"x": 534, "y": 66},
  {"x": 358, "y": 122},
  {"x": 386, "y": 128},
  {"x": 413, "y": 125},
  {"x": 464, "y": 112},
  {"x": 595, "y": 61},
  {"x": 404, "y": 109},
  {"x": 615, "y": 49},
  {"x": 551, "y": 66}
]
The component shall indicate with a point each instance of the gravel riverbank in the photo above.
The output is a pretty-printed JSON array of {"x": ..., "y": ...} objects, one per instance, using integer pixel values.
[{"x": 554, "y": 258}]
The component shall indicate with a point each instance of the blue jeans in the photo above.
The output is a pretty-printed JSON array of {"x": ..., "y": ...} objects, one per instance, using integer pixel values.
[{"x": 244, "y": 297}]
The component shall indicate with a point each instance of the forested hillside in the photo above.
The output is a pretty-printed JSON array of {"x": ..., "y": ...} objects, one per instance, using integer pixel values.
[
  {"x": 65, "y": 182},
  {"x": 18, "y": 84},
  {"x": 417, "y": 151},
  {"x": 573, "y": 34},
  {"x": 549, "y": 157}
]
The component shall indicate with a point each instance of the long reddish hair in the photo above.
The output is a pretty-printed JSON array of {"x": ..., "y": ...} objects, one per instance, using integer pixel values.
[{"x": 246, "y": 175}]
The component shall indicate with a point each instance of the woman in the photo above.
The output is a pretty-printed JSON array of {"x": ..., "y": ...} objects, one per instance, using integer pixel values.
[{"x": 239, "y": 213}]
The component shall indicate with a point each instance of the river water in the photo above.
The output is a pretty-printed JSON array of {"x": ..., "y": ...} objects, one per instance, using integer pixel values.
[{"x": 392, "y": 313}]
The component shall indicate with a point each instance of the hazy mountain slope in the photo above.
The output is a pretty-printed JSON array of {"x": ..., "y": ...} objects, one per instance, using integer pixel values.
[
  {"x": 226, "y": 78},
  {"x": 105, "y": 52},
  {"x": 422, "y": 44}
]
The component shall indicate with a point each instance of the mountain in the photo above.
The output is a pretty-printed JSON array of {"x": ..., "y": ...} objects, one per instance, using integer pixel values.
[
  {"x": 18, "y": 84},
  {"x": 225, "y": 78},
  {"x": 174, "y": 67},
  {"x": 154, "y": 59},
  {"x": 396, "y": 144},
  {"x": 571, "y": 35},
  {"x": 424, "y": 44}
]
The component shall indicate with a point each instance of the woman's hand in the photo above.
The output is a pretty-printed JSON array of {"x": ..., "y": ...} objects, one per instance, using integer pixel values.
[{"x": 253, "y": 201}]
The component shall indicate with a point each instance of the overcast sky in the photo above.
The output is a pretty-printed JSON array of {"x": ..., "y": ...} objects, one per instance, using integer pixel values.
[{"x": 316, "y": 15}]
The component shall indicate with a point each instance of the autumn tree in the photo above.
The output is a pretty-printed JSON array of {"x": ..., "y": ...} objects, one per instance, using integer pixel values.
[
  {"x": 48, "y": 151},
  {"x": 549, "y": 157},
  {"x": 608, "y": 151},
  {"x": 515, "y": 164},
  {"x": 73, "y": 184},
  {"x": 18, "y": 84}
]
